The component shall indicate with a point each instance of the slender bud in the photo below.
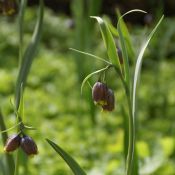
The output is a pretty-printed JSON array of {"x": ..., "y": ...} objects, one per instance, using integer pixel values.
[
  {"x": 99, "y": 93},
  {"x": 12, "y": 143},
  {"x": 29, "y": 146},
  {"x": 110, "y": 101}
]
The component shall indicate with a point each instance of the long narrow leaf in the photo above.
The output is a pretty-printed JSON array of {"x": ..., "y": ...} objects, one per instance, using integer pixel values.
[
  {"x": 139, "y": 64},
  {"x": 109, "y": 42},
  {"x": 91, "y": 55},
  {"x": 9, "y": 129},
  {"x": 77, "y": 170},
  {"x": 29, "y": 54},
  {"x": 124, "y": 29},
  {"x": 90, "y": 75},
  {"x": 124, "y": 48}
]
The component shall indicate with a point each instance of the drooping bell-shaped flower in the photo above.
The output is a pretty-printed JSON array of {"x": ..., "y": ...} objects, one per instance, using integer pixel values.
[
  {"x": 29, "y": 146},
  {"x": 110, "y": 101},
  {"x": 12, "y": 143},
  {"x": 99, "y": 93}
]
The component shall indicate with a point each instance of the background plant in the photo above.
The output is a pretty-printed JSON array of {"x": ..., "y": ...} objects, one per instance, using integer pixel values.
[
  {"x": 102, "y": 153},
  {"x": 25, "y": 60}
]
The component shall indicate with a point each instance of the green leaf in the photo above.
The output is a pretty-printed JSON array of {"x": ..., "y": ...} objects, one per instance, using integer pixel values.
[
  {"x": 113, "y": 30},
  {"x": 129, "y": 45},
  {"x": 139, "y": 64},
  {"x": 124, "y": 48},
  {"x": 20, "y": 112},
  {"x": 91, "y": 55},
  {"x": 77, "y": 170},
  {"x": 90, "y": 75},
  {"x": 29, "y": 54},
  {"x": 9, "y": 129},
  {"x": 109, "y": 42}
]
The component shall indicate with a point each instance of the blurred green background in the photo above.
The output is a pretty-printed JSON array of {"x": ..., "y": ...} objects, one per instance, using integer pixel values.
[{"x": 54, "y": 105}]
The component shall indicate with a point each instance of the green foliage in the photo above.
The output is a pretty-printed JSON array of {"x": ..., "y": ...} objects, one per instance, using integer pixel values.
[
  {"x": 126, "y": 80},
  {"x": 26, "y": 60},
  {"x": 52, "y": 102},
  {"x": 109, "y": 42},
  {"x": 77, "y": 170}
]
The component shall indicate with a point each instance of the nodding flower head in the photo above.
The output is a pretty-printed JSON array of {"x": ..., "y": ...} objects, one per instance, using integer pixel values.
[
  {"x": 12, "y": 143},
  {"x": 29, "y": 146},
  {"x": 110, "y": 101},
  {"x": 99, "y": 93}
]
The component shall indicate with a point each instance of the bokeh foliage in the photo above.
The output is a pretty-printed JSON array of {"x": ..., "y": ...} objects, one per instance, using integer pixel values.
[{"x": 52, "y": 100}]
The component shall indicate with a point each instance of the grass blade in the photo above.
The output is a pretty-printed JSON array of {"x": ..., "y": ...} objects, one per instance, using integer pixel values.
[
  {"x": 77, "y": 170},
  {"x": 124, "y": 29},
  {"x": 139, "y": 64},
  {"x": 91, "y": 55},
  {"x": 29, "y": 54},
  {"x": 124, "y": 48},
  {"x": 109, "y": 42}
]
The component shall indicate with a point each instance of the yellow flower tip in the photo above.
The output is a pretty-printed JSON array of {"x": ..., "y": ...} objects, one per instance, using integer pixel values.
[
  {"x": 100, "y": 103},
  {"x": 104, "y": 111},
  {"x": 7, "y": 152},
  {"x": 32, "y": 156}
]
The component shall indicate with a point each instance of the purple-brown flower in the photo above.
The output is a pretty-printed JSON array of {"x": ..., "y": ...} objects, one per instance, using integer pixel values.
[
  {"x": 110, "y": 101},
  {"x": 29, "y": 146},
  {"x": 12, "y": 143},
  {"x": 99, "y": 93}
]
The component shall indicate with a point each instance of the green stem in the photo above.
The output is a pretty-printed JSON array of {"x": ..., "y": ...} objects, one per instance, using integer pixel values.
[
  {"x": 23, "y": 4},
  {"x": 21, "y": 19},
  {"x": 16, "y": 163},
  {"x": 131, "y": 145}
]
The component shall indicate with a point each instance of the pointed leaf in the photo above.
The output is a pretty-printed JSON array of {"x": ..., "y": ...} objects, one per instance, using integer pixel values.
[
  {"x": 91, "y": 55},
  {"x": 109, "y": 42},
  {"x": 29, "y": 54},
  {"x": 77, "y": 170},
  {"x": 124, "y": 29},
  {"x": 124, "y": 48},
  {"x": 139, "y": 64}
]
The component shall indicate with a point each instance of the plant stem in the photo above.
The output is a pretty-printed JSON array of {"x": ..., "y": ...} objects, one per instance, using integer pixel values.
[
  {"x": 16, "y": 163},
  {"x": 131, "y": 146},
  {"x": 131, "y": 134},
  {"x": 21, "y": 19}
]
